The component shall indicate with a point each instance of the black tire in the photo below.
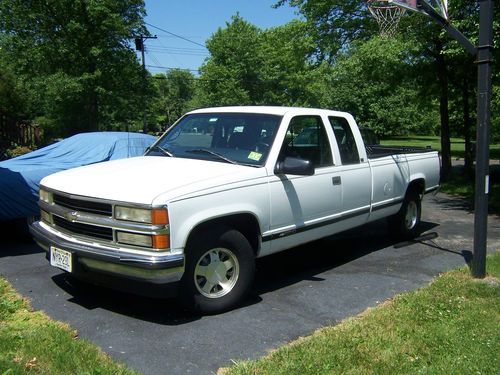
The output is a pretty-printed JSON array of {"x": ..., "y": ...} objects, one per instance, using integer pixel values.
[
  {"x": 211, "y": 257},
  {"x": 405, "y": 224}
]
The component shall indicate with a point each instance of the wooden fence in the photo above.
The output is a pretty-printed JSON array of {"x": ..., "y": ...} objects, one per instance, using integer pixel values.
[{"x": 20, "y": 133}]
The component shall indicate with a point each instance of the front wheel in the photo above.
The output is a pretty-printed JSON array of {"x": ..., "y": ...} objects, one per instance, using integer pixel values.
[
  {"x": 219, "y": 271},
  {"x": 405, "y": 224}
]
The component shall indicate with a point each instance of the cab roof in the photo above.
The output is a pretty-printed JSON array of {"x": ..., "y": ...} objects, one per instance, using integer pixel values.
[{"x": 271, "y": 110}]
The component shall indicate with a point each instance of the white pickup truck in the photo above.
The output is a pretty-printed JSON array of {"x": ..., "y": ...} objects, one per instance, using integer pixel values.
[{"x": 222, "y": 187}]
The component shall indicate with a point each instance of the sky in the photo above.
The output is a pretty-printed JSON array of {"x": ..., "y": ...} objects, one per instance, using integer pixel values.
[{"x": 197, "y": 20}]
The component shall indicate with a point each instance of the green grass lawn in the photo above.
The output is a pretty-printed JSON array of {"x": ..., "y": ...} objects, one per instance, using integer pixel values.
[
  {"x": 448, "y": 327},
  {"x": 457, "y": 144},
  {"x": 32, "y": 343}
]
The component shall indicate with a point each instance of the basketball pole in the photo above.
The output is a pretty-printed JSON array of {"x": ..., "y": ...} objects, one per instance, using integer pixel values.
[
  {"x": 484, "y": 60},
  {"x": 483, "y": 53}
]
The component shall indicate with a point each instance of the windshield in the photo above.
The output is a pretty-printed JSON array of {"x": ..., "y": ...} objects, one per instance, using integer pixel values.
[{"x": 238, "y": 138}]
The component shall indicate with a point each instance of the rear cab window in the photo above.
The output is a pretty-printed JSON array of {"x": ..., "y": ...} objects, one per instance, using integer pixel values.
[{"x": 345, "y": 140}]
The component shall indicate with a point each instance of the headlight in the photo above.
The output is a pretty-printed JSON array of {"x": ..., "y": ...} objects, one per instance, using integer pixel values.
[
  {"x": 140, "y": 215},
  {"x": 157, "y": 216},
  {"x": 45, "y": 196}
]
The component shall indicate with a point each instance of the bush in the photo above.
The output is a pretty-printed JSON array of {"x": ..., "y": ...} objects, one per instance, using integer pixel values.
[{"x": 17, "y": 151}]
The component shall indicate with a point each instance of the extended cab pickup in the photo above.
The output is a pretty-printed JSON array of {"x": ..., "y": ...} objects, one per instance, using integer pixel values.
[{"x": 222, "y": 187}]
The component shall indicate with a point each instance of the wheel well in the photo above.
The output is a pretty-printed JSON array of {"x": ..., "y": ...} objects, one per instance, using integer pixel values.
[
  {"x": 246, "y": 224},
  {"x": 417, "y": 185}
]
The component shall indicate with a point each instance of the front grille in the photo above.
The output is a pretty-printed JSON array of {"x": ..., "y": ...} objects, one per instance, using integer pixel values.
[
  {"x": 83, "y": 205},
  {"x": 84, "y": 229}
]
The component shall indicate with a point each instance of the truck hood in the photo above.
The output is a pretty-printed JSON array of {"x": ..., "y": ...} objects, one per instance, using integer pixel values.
[{"x": 142, "y": 179}]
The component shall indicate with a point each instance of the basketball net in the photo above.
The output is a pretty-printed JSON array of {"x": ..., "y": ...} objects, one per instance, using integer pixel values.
[{"x": 386, "y": 14}]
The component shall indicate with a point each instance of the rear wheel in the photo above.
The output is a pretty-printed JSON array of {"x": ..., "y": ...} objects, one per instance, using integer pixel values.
[
  {"x": 404, "y": 225},
  {"x": 219, "y": 271}
]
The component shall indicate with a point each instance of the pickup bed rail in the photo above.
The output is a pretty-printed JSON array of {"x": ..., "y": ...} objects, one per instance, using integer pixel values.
[{"x": 378, "y": 151}]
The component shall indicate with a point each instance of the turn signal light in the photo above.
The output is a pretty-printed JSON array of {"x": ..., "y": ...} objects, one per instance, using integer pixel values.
[
  {"x": 159, "y": 216},
  {"x": 161, "y": 241}
]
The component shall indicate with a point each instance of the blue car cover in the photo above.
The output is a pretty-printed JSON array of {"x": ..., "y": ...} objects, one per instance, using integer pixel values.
[{"x": 20, "y": 177}]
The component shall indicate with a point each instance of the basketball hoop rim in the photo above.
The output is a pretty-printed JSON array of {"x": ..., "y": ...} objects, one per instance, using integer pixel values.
[
  {"x": 389, "y": 5},
  {"x": 443, "y": 11}
]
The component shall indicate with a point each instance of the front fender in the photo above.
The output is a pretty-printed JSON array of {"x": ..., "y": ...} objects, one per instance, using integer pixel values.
[{"x": 187, "y": 214}]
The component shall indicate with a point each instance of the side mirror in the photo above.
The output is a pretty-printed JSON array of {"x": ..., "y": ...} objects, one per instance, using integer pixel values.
[{"x": 295, "y": 166}]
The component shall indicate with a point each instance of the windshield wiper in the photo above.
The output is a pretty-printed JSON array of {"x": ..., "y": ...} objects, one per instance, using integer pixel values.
[
  {"x": 164, "y": 150},
  {"x": 213, "y": 153}
]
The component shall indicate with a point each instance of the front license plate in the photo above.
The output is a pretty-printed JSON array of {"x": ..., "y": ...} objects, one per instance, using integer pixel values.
[{"x": 60, "y": 258}]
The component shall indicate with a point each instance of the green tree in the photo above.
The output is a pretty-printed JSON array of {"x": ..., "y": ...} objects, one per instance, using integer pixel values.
[
  {"x": 335, "y": 24},
  {"x": 463, "y": 77},
  {"x": 73, "y": 58},
  {"x": 248, "y": 65},
  {"x": 372, "y": 81},
  {"x": 12, "y": 101},
  {"x": 287, "y": 73},
  {"x": 230, "y": 76},
  {"x": 449, "y": 73},
  {"x": 174, "y": 92}
]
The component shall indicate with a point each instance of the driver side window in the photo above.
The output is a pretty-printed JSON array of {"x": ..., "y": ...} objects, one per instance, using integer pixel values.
[{"x": 306, "y": 138}]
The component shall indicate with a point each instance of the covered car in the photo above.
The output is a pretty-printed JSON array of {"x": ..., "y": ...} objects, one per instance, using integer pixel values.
[{"x": 20, "y": 176}]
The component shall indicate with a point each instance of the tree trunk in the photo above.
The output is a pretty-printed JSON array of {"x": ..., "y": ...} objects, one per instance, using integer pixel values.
[
  {"x": 442, "y": 73},
  {"x": 93, "y": 119},
  {"x": 467, "y": 129},
  {"x": 93, "y": 124}
]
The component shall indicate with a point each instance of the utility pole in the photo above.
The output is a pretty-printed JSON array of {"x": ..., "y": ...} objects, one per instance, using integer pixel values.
[{"x": 139, "y": 46}]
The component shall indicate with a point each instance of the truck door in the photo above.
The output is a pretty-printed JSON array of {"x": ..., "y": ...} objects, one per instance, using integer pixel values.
[
  {"x": 303, "y": 203},
  {"x": 354, "y": 170}
]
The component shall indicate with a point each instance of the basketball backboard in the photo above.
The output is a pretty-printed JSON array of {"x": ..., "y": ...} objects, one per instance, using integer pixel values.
[{"x": 440, "y": 6}]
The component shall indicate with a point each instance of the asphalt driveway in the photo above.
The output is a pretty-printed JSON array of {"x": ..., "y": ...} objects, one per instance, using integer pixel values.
[{"x": 296, "y": 292}]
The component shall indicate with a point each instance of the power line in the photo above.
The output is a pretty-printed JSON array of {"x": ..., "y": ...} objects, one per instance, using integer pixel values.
[
  {"x": 194, "y": 78},
  {"x": 165, "y": 78},
  {"x": 170, "y": 68},
  {"x": 171, "y": 36},
  {"x": 176, "y": 35},
  {"x": 153, "y": 57},
  {"x": 175, "y": 52},
  {"x": 180, "y": 48}
]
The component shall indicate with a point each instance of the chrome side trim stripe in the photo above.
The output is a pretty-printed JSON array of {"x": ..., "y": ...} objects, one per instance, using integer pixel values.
[{"x": 304, "y": 228}]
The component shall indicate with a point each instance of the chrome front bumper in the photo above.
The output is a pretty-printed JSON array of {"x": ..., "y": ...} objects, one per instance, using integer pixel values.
[{"x": 158, "y": 268}]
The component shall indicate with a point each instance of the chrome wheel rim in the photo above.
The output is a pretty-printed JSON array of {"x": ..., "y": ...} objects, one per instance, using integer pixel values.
[
  {"x": 216, "y": 273},
  {"x": 411, "y": 215}
]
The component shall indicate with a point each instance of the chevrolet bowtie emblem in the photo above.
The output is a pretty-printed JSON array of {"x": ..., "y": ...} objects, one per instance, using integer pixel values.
[{"x": 72, "y": 216}]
